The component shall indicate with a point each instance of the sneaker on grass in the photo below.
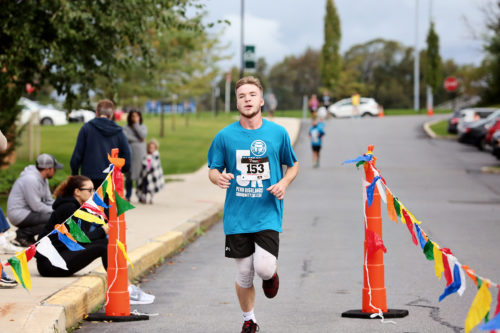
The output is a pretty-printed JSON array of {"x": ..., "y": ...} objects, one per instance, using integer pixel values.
[{"x": 137, "y": 296}]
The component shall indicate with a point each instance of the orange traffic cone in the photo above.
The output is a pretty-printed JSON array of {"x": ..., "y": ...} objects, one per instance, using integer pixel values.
[
  {"x": 430, "y": 112},
  {"x": 381, "y": 112},
  {"x": 374, "y": 293},
  {"x": 117, "y": 306}
]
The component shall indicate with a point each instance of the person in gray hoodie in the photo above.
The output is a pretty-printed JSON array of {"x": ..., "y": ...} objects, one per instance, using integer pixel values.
[
  {"x": 95, "y": 141},
  {"x": 30, "y": 202}
]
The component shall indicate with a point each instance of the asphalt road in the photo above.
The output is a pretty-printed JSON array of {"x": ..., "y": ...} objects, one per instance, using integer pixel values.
[{"x": 321, "y": 253}]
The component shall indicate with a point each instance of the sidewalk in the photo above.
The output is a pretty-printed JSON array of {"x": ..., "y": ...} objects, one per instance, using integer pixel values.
[{"x": 153, "y": 231}]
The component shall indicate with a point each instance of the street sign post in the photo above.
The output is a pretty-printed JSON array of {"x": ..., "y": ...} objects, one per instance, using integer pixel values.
[
  {"x": 249, "y": 56},
  {"x": 450, "y": 84}
]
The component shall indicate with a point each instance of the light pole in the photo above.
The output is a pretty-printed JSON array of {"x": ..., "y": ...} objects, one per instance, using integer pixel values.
[
  {"x": 242, "y": 69},
  {"x": 416, "y": 70}
]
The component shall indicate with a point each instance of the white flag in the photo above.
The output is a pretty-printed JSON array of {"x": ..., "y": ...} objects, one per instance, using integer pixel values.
[{"x": 48, "y": 250}]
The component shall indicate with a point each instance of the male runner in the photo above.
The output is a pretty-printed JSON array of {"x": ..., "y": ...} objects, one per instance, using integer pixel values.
[{"x": 252, "y": 152}]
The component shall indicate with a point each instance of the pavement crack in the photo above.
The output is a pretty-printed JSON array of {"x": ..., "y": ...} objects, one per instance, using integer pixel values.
[{"x": 434, "y": 314}]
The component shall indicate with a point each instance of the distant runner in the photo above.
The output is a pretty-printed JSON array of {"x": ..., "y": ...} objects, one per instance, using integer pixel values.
[{"x": 246, "y": 158}]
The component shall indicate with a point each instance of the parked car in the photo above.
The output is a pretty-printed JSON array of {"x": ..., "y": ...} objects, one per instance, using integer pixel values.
[
  {"x": 474, "y": 132},
  {"x": 487, "y": 141},
  {"x": 495, "y": 144},
  {"x": 48, "y": 115},
  {"x": 344, "y": 108},
  {"x": 467, "y": 115},
  {"x": 470, "y": 115},
  {"x": 81, "y": 116}
]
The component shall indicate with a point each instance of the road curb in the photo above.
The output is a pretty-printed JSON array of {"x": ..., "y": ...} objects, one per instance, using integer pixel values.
[
  {"x": 68, "y": 306},
  {"x": 430, "y": 133}
]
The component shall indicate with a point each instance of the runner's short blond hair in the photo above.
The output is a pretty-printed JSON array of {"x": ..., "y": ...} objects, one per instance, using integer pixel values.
[{"x": 249, "y": 80}]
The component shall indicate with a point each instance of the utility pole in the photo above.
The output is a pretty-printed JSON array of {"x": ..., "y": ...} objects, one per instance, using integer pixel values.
[
  {"x": 416, "y": 70},
  {"x": 242, "y": 69}
]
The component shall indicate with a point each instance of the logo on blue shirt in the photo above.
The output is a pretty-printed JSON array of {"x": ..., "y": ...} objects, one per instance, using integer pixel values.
[{"x": 258, "y": 148}]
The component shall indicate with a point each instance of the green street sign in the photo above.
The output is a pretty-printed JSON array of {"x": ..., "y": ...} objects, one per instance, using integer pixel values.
[{"x": 249, "y": 56}]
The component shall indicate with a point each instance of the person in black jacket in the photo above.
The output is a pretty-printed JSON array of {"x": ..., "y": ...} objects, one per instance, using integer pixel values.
[
  {"x": 95, "y": 141},
  {"x": 70, "y": 195}
]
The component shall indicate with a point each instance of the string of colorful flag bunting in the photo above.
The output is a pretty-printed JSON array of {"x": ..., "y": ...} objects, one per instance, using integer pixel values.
[
  {"x": 445, "y": 263},
  {"x": 70, "y": 233}
]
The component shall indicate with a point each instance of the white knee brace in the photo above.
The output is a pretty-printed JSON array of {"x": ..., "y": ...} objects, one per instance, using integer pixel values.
[{"x": 244, "y": 277}]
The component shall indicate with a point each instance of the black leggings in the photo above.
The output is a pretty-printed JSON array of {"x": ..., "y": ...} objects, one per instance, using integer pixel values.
[{"x": 75, "y": 260}]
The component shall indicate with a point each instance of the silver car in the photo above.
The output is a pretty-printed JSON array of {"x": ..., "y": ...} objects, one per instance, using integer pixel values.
[{"x": 344, "y": 108}]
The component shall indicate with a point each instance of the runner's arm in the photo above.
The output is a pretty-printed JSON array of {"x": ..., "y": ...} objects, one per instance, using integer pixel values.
[
  {"x": 220, "y": 179},
  {"x": 278, "y": 189}
]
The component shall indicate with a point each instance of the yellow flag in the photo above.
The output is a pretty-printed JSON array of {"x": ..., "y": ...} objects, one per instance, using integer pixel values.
[
  {"x": 413, "y": 218},
  {"x": 438, "y": 261},
  {"x": 122, "y": 248},
  {"x": 110, "y": 188},
  {"x": 88, "y": 217},
  {"x": 479, "y": 308}
]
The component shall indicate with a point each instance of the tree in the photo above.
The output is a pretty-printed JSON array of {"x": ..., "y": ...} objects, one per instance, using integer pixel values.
[
  {"x": 492, "y": 46},
  {"x": 330, "y": 63},
  {"x": 69, "y": 44},
  {"x": 433, "y": 74}
]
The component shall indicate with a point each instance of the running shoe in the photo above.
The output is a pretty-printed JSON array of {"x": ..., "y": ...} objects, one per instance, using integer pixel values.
[
  {"x": 249, "y": 327},
  {"x": 9, "y": 248},
  {"x": 10, "y": 235},
  {"x": 137, "y": 296},
  {"x": 7, "y": 283},
  {"x": 271, "y": 286}
]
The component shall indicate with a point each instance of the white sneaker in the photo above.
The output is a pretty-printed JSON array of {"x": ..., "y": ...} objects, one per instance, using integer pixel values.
[
  {"x": 137, "y": 296},
  {"x": 10, "y": 235},
  {"x": 9, "y": 248}
]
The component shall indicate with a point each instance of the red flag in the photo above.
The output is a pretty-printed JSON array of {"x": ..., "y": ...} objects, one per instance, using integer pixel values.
[
  {"x": 447, "y": 270},
  {"x": 30, "y": 252},
  {"x": 374, "y": 242},
  {"x": 409, "y": 224}
]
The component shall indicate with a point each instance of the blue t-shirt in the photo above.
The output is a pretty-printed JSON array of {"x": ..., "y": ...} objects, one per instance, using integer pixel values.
[
  {"x": 255, "y": 157},
  {"x": 316, "y": 133}
]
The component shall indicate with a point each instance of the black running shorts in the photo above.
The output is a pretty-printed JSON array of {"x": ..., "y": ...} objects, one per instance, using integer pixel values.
[
  {"x": 316, "y": 148},
  {"x": 243, "y": 245}
]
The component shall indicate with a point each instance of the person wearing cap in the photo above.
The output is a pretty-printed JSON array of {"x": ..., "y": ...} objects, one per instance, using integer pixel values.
[
  {"x": 95, "y": 141},
  {"x": 30, "y": 202}
]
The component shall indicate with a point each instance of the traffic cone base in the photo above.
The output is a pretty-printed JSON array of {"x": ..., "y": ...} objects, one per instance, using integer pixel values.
[{"x": 391, "y": 313}]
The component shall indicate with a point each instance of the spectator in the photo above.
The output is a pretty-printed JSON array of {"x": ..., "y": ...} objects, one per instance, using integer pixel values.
[
  {"x": 272, "y": 104},
  {"x": 136, "y": 134},
  {"x": 151, "y": 177},
  {"x": 313, "y": 105},
  {"x": 70, "y": 195},
  {"x": 5, "y": 236},
  {"x": 30, "y": 202},
  {"x": 94, "y": 143}
]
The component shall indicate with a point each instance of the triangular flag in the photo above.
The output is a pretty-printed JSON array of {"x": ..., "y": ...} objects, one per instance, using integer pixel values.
[
  {"x": 409, "y": 225},
  {"x": 370, "y": 190},
  {"x": 438, "y": 261},
  {"x": 420, "y": 236},
  {"x": 110, "y": 189},
  {"x": 493, "y": 324},
  {"x": 471, "y": 273},
  {"x": 454, "y": 286},
  {"x": 63, "y": 230},
  {"x": 122, "y": 248},
  {"x": 428, "y": 250},
  {"x": 397, "y": 207},
  {"x": 381, "y": 191},
  {"x": 413, "y": 218},
  {"x": 447, "y": 270},
  {"x": 360, "y": 158},
  {"x": 71, "y": 245},
  {"x": 374, "y": 242},
  {"x": 93, "y": 210},
  {"x": 20, "y": 270},
  {"x": 479, "y": 308},
  {"x": 88, "y": 217},
  {"x": 1, "y": 269},
  {"x": 30, "y": 252},
  {"x": 98, "y": 200},
  {"x": 390, "y": 206},
  {"x": 122, "y": 205},
  {"x": 48, "y": 250},
  {"x": 77, "y": 233}
]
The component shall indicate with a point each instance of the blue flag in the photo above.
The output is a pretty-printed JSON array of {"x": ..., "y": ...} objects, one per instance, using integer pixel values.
[
  {"x": 370, "y": 189},
  {"x": 360, "y": 158},
  {"x": 69, "y": 243},
  {"x": 421, "y": 238},
  {"x": 454, "y": 286},
  {"x": 493, "y": 324},
  {"x": 98, "y": 201}
]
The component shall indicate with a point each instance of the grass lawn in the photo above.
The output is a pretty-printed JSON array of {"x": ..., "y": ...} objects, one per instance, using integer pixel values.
[{"x": 411, "y": 112}]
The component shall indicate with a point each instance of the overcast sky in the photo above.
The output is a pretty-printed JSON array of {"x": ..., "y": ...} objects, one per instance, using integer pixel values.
[{"x": 279, "y": 28}]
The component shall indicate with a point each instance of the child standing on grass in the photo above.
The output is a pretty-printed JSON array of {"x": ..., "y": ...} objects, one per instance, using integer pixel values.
[
  {"x": 151, "y": 178},
  {"x": 316, "y": 133}
]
